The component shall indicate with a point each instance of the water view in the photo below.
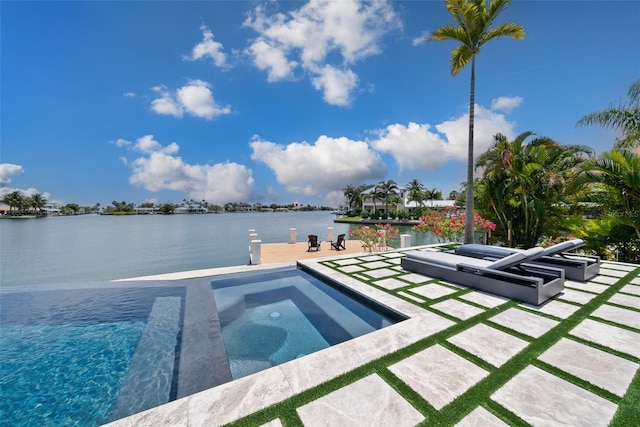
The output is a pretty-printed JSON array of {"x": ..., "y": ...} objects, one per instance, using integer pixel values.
[{"x": 74, "y": 249}]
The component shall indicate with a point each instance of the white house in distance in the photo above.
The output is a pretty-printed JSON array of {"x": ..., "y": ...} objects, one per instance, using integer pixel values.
[{"x": 404, "y": 205}]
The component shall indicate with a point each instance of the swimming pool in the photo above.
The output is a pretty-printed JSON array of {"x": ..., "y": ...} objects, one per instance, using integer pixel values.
[{"x": 89, "y": 354}]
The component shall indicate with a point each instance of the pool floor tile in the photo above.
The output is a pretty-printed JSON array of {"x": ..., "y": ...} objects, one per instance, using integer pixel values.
[
  {"x": 542, "y": 399},
  {"x": 554, "y": 307},
  {"x": 618, "y": 315},
  {"x": 600, "y": 368},
  {"x": 438, "y": 375},
  {"x": 626, "y": 300},
  {"x": 576, "y": 296},
  {"x": 609, "y": 336},
  {"x": 457, "y": 309},
  {"x": 586, "y": 286},
  {"x": 489, "y": 344},
  {"x": 485, "y": 300},
  {"x": 480, "y": 417},
  {"x": 631, "y": 289},
  {"x": 524, "y": 322},
  {"x": 391, "y": 283},
  {"x": 432, "y": 291},
  {"x": 366, "y": 402}
]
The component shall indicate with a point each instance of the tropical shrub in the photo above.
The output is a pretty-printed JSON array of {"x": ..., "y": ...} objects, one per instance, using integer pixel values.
[
  {"x": 449, "y": 224},
  {"x": 373, "y": 237}
]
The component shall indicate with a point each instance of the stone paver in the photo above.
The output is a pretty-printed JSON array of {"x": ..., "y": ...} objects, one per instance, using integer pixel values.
[
  {"x": 626, "y": 300},
  {"x": 415, "y": 278},
  {"x": 411, "y": 297},
  {"x": 614, "y": 273},
  {"x": 576, "y": 296},
  {"x": 486, "y": 300},
  {"x": 618, "y": 266},
  {"x": 542, "y": 399},
  {"x": 618, "y": 315},
  {"x": 438, "y": 375},
  {"x": 390, "y": 284},
  {"x": 554, "y": 308},
  {"x": 480, "y": 417},
  {"x": 273, "y": 423},
  {"x": 366, "y": 402},
  {"x": 600, "y": 368},
  {"x": 371, "y": 258},
  {"x": 394, "y": 261},
  {"x": 361, "y": 277},
  {"x": 636, "y": 281},
  {"x": 524, "y": 322},
  {"x": 607, "y": 280},
  {"x": 381, "y": 272},
  {"x": 613, "y": 337},
  {"x": 489, "y": 344},
  {"x": 432, "y": 291},
  {"x": 375, "y": 264},
  {"x": 631, "y": 289},
  {"x": 457, "y": 309},
  {"x": 586, "y": 286},
  {"x": 350, "y": 268},
  {"x": 348, "y": 261}
]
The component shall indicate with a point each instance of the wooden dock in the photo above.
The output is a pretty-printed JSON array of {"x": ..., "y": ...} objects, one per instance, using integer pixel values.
[{"x": 289, "y": 252}]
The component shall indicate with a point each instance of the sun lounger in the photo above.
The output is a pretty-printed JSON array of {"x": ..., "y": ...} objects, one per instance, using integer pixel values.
[
  {"x": 576, "y": 267},
  {"x": 511, "y": 276}
]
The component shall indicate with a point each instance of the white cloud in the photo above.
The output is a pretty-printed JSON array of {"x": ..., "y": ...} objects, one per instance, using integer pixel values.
[
  {"x": 208, "y": 48},
  {"x": 422, "y": 38},
  {"x": 129, "y": 95},
  {"x": 307, "y": 37},
  {"x": 195, "y": 98},
  {"x": 329, "y": 164},
  {"x": 505, "y": 103},
  {"x": 160, "y": 169},
  {"x": 8, "y": 169},
  {"x": 418, "y": 146}
]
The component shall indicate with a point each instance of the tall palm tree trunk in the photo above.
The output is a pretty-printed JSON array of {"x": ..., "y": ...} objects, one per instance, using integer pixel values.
[{"x": 469, "y": 208}]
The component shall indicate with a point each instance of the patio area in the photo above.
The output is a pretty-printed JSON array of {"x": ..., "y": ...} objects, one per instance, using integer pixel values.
[{"x": 463, "y": 358}]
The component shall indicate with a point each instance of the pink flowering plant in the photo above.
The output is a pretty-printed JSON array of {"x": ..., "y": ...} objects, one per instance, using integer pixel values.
[
  {"x": 373, "y": 237},
  {"x": 448, "y": 224}
]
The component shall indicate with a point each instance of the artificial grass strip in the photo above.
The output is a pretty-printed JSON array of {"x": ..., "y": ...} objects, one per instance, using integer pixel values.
[{"x": 628, "y": 411}]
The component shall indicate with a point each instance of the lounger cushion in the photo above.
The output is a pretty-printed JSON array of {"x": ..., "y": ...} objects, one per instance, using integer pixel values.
[
  {"x": 474, "y": 249},
  {"x": 446, "y": 259},
  {"x": 563, "y": 247},
  {"x": 515, "y": 258}
]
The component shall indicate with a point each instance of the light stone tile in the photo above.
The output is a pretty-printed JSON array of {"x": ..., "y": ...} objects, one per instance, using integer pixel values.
[
  {"x": 631, "y": 289},
  {"x": 586, "y": 286},
  {"x": 554, "y": 307},
  {"x": 453, "y": 285},
  {"x": 489, "y": 344},
  {"x": 231, "y": 401},
  {"x": 614, "y": 273},
  {"x": 432, "y": 291},
  {"x": 636, "y": 281},
  {"x": 618, "y": 315},
  {"x": 480, "y": 417},
  {"x": 604, "y": 279},
  {"x": 371, "y": 258},
  {"x": 457, "y": 309},
  {"x": 626, "y": 300},
  {"x": 394, "y": 255},
  {"x": 602, "y": 369},
  {"x": 174, "y": 413},
  {"x": 411, "y": 297},
  {"x": 438, "y": 375},
  {"x": 347, "y": 261},
  {"x": 273, "y": 423},
  {"x": 398, "y": 268},
  {"x": 390, "y": 284},
  {"x": 381, "y": 272},
  {"x": 415, "y": 278},
  {"x": 361, "y": 277},
  {"x": 618, "y": 266},
  {"x": 576, "y": 296},
  {"x": 394, "y": 261},
  {"x": 524, "y": 322},
  {"x": 375, "y": 264},
  {"x": 609, "y": 336},
  {"x": 542, "y": 399},
  {"x": 350, "y": 268},
  {"x": 366, "y": 402},
  {"x": 486, "y": 300},
  {"x": 321, "y": 366}
]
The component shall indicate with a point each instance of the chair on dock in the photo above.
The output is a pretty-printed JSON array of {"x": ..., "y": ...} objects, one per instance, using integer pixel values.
[
  {"x": 314, "y": 245},
  {"x": 339, "y": 244}
]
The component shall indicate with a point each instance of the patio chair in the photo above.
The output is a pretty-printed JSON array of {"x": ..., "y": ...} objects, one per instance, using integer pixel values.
[
  {"x": 314, "y": 245},
  {"x": 576, "y": 266},
  {"x": 339, "y": 244},
  {"x": 511, "y": 276}
]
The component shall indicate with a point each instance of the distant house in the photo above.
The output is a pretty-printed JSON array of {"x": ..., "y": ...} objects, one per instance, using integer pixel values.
[{"x": 404, "y": 205}]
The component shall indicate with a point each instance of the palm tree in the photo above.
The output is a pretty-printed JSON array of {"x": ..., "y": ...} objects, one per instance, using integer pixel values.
[
  {"x": 524, "y": 185},
  {"x": 416, "y": 192},
  {"x": 37, "y": 202},
  {"x": 15, "y": 199},
  {"x": 386, "y": 191},
  {"x": 474, "y": 29},
  {"x": 433, "y": 194},
  {"x": 624, "y": 117}
]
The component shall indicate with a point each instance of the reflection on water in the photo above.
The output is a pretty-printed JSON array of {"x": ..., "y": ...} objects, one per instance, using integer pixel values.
[{"x": 97, "y": 248}]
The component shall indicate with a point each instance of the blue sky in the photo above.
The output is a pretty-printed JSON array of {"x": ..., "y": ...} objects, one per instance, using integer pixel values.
[{"x": 274, "y": 102}]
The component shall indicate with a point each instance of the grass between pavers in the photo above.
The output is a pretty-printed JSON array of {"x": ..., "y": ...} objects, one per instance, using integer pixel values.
[{"x": 478, "y": 395}]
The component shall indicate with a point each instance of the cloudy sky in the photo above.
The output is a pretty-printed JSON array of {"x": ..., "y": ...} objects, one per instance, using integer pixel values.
[{"x": 274, "y": 102}]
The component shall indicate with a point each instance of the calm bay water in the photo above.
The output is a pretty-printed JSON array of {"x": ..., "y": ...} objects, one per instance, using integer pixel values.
[{"x": 88, "y": 248}]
